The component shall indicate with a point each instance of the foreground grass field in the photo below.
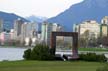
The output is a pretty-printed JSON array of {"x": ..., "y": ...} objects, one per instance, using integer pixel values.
[
  {"x": 93, "y": 49},
  {"x": 49, "y": 66}
]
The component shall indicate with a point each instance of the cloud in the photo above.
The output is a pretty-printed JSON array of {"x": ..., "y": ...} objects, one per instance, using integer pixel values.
[{"x": 46, "y": 8}]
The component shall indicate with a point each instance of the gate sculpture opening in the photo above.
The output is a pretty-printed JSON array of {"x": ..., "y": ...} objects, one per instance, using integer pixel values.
[{"x": 74, "y": 35}]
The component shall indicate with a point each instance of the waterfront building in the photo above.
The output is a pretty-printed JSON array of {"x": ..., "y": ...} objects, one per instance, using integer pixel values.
[
  {"x": 1, "y": 25},
  {"x": 12, "y": 34},
  {"x": 17, "y": 28},
  {"x": 105, "y": 20},
  {"x": 24, "y": 32},
  {"x": 91, "y": 26},
  {"x": 28, "y": 32},
  {"x": 5, "y": 38},
  {"x": 46, "y": 30},
  {"x": 104, "y": 27}
]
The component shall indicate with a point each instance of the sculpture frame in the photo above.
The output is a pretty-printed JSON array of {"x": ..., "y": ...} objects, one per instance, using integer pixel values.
[{"x": 74, "y": 35}]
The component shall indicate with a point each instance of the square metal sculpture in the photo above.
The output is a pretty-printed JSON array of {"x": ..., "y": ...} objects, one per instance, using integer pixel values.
[{"x": 67, "y": 34}]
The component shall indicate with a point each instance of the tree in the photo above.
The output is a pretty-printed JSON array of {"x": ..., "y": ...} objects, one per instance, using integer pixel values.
[
  {"x": 93, "y": 42},
  {"x": 84, "y": 39},
  {"x": 82, "y": 42},
  {"x": 39, "y": 52},
  {"x": 102, "y": 41},
  {"x": 27, "y": 54}
]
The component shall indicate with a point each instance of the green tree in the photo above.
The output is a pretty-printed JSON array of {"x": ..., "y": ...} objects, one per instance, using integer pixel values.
[
  {"x": 103, "y": 41},
  {"x": 27, "y": 54},
  {"x": 84, "y": 39},
  {"x": 93, "y": 42},
  {"x": 39, "y": 52},
  {"x": 82, "y": 42}
]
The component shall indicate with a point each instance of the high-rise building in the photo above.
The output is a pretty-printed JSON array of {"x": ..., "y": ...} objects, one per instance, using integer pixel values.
[
  {"x": 104, "y": 27},
  {"x": 5, "y": 38},
  {"x": 105, "y": 20},
  {"x": 23, "y": 32},
  {"x": 1, "y": 25},
  {"x": 91, "y": 26},
  {"x": 46, "y": 32},
  {"x": 47, "y": 28},
  {"x": 28, "y": 31},
  {"x": 17, "y": 28}
]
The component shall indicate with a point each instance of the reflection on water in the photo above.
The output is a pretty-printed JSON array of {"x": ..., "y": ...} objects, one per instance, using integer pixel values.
[{"x": 11, "y": 54}]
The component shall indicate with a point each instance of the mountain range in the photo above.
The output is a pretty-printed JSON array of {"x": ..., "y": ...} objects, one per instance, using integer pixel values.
[
  {"x": 8, "y": 19},
  {"x": 85, "y": 10},
  {"x": 37, "y": 19}
]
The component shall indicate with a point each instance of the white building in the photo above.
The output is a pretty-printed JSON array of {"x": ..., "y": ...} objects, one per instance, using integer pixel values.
[
  {"x": 17, "y": 28},
  {"x": 12, "y": 34},
  {"x": 28, "y": 32},
  {"x": 47, "y": 28},
  {"x": 104, "y": 27},
  {"x": 5, "y": 38},
  {"x": 92, "y": 26},
  {"x": 105, "y": 20},
  {"x": 24, "y": 32}
]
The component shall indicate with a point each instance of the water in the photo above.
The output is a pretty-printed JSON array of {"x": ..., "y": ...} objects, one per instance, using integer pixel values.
[{"x": 11, "y": 54}]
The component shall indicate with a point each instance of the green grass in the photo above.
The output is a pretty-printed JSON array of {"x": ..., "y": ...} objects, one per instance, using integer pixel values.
[
  {"x": 49, "y": 66},
  {"x": 93, "y": 49}
]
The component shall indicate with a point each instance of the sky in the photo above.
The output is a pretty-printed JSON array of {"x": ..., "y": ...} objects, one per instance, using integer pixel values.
[{"x": 45, "y": 8}]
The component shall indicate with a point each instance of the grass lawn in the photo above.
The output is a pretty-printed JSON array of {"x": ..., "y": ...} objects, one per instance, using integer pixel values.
[
  {"x": 93, "y": 49},
  {"x": 49, "y": 66}
]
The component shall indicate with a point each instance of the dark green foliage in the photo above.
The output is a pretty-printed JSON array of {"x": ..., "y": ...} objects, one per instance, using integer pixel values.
[
  {"x": 105, "y": 68},
  {"x": 27, "y": 54},
  {"x": 52, "y": 51},
  {"x": 103, "y": 41},
  {"x": 40, "y": 52},
  {"x": 92, "y": 57},
  {"x": 101, "y": 58}
]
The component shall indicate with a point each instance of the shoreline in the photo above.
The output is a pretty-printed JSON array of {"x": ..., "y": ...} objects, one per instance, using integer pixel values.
[{"x": 15, "y": 46}]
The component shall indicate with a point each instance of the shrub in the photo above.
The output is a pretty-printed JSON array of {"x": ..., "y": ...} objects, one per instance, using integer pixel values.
[
  {"x": 101, "y": 58},
  {"x": 39, "y": 52},
  {"x": 92, "y": 57},
  {"x": 27, "y": 54}
]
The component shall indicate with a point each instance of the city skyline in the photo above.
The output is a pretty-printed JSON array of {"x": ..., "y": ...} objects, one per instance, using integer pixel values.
[{"x": 46, "y": 8}]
